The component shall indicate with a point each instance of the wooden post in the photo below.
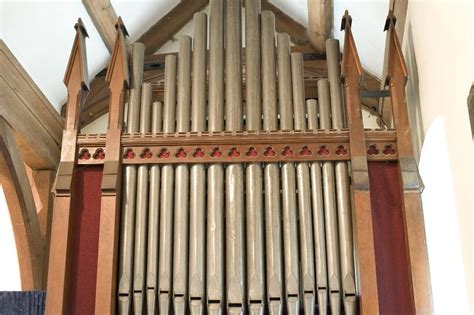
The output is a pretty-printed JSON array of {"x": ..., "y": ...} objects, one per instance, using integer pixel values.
[
  {"x": 76, "y": 79},
  {"x": 117, "y": 80},
  {"x": 352, "y": 75},
  {"x": 411, "y": 184}
]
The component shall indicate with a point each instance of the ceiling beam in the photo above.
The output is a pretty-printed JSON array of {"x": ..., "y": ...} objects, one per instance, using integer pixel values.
[
  {"x": 104, "y": 18},
  {"x": 286, "y": 24},
  {"x": 320, "y": 23},
  {"x": 37, "y": 126},
  {"x": 164, "y": 30}
]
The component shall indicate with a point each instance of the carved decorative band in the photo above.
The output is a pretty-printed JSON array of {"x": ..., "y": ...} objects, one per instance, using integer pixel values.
[{"x": 237, "y": 147}]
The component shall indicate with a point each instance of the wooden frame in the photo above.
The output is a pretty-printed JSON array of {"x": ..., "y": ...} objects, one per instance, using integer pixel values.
[
  {"x": 355, "y": 144},
  {"x": 411, "y": 181},
  {"x": 352, "y": 76},
  {"x": 76, "y": 80},
  {"x": 117, "y": 80}
]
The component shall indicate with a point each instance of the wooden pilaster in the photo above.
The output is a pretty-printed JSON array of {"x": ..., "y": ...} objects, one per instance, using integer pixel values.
[
  {"x": 364, "y": 236},
  {"x": 117, "y": 80},
  {"x": 411, "y": 181},
  {"x": 76, "y": 80}
]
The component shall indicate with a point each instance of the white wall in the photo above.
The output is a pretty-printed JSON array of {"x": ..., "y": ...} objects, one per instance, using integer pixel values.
[
  {"x": 443, "y": 44},
  {"x": 9, "y": 267}
]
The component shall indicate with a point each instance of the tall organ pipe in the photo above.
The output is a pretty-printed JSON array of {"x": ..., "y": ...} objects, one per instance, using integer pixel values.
[
  {"x": 197, "y": 206},
  {"x": 153, "y": 219},
  {"x": 142, "y": 209},
  {"x": 274, "y": 267},
  {"x": 125, "y": 272},
  {"x": 330, "y": 211},
  {"x": 290, "y": 224},
  {"x": 166, "y": 202},
  {"x": 304, "y": 191},
  {"x": 254, "y": 185},
  {"x": 235, "y": 250},
  {"x": 181, "y": 201},
  {"x": 215, "y": 172},
  {"x": 318, "y": 216},
  {"x": 342, "y": 183}
]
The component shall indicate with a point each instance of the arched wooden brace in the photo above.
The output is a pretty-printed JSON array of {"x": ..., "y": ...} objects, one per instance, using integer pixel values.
[
  {"x": 364, "y": 236},
  {"x": 117, "y": 80},
  {"x": 76, "y": 79},
  {"x": 20, "y": 202},
  {"x": 411, "y": 184}
]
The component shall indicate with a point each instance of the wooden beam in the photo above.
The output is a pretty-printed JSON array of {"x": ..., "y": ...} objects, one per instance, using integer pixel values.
[
  {"x": 320, "y": 23},
  {"x": 37, "y": 126},
  {"x": 104, "y": 18},
  {"x": 163, "y": 30},
  {"x": 20, "y": 201},
  {"x": 286, "y": 24}
]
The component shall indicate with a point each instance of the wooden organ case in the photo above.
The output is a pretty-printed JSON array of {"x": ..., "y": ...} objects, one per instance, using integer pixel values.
[{"x": 237, "y": 194}]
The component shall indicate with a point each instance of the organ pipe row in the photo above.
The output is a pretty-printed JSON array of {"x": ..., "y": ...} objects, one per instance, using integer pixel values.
[{"x": 255, "y": 238}]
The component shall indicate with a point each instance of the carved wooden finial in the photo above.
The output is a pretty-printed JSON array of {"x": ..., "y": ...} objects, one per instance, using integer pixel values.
[
  {"x": 396, "y": 61},
  {"x": 78, "y": 55},
  {"x": 119, "y": 60},
  {"x": 346, "y": 20},
  {"x": 390, "y": 21},
  {"x": 350, "y": 58}
]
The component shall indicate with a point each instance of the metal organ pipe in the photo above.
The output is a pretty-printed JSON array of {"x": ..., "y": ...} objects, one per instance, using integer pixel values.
[
  {"x": 181, "y": 190},
  {"x": 166, "y": 202},
  {"x": 342, "y": 183},
  {"x": 290, "y": 224},
  {"x": 234, "y": 178},
  {"x": 330, "y": 211},
  {"x": 215, "y": 172},
  {"x": 127, "y": 227},
  {"x": 197, "y": 192},
  {"x": 153, "y": 219},
  {"x": 273, "y": 232},
  {"x": 304, "y": 191},
  {"x": 318, "y": 216},
  {"x": 254, "y": 186},
  {"x": 142, "y": 209}
]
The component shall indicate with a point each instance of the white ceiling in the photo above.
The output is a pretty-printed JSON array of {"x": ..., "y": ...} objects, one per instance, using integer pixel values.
[{"x": 40, "y": 33}]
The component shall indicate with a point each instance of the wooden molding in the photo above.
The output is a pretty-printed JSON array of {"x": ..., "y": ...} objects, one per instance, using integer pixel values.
[
  {"x": 320, "y": 23},
  {"x": 164, "y": 29},
  {"x": 20, "y": 201},
  {"x": 36, "y": 124},
  {"x": 104, "y": 18}
]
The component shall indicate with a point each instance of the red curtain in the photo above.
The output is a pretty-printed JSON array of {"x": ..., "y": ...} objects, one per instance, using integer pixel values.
[
  {"x": 85, "y": 239},
  {"x": 393, "y": 276}
]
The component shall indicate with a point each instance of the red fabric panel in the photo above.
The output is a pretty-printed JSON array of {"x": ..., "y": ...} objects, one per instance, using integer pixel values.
[
  {"x": 85, "y": 239},
  {"x": 393, "y": 279}
]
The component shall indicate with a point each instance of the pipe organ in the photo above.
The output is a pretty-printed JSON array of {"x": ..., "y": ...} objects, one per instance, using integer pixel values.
[{"x": 235, "y": 193}]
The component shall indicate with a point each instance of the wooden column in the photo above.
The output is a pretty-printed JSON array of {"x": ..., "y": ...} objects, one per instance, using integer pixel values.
[
  {"x": 117, "y": 80},
  {"x": 352, "y": 75},
  {"x": 76, "y": 80},
  {"x": 411, "y": 184}
]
